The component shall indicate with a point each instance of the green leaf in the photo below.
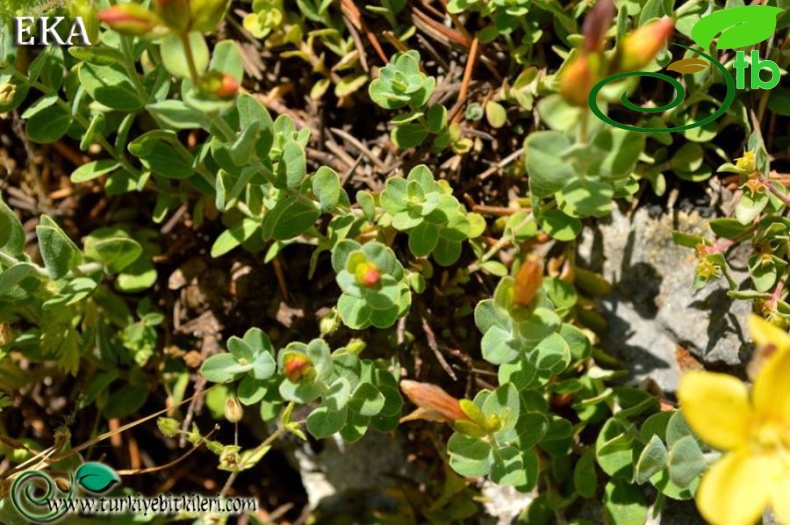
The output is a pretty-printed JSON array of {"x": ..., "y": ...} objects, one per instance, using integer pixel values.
[
  {"x": 12, "y": 234},
  {"x": 60, "y": 254},
  {"x": 174, "y": 56},
  {"x": 233, "y": 237},
  {"x": 251, "y": 110},
  {"x": 499, "y": 346},
  {"x": 423, "y": 239},
  {"x": 96, "y": 477},
  {"x": 587, "y": 197},
  {"x": 290, "y": 217},
  {"x": 323, "y": 422},
  {"x": 558, "y": 438},
  {"x": 496, "y": 114},
  {"x": 624, "y": 503},
  {"x": 177, "y": 115},
  {"x": 409, "y": 135},
  {"x": 111, "y": 86},
  {"x": 585, "y": 477},
  {"x": 326, "y": 186},
  {"x": 367, "y": 400},
  {"x": 293, "y": 166},
  {"x": 223, "y": 367},
  {"x": 49, "y": 124},
  {"x": 508, "y": 467},
  {"x": 548, "y": 173},
  {"x": 652, "y": 460},
  {"x": 93, "y": 170},
  {"x": 559, "y": 225},
  {"x": 614, "y": 450},
  {"x": 469, "y": 456},
  {"x": 552, "y": 353},
  {"x": 114, "y": 251},
  {"x": 686, "y": 461},
  {"x": 728, "y": 228},
  {"x": 161, "y": 153},
  {"x": 227, "y": 58}
]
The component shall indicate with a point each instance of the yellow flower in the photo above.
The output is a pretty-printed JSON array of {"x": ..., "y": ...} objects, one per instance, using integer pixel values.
[{"x": 753, "y": 429}]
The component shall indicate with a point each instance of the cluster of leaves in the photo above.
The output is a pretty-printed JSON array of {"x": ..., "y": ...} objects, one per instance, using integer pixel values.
[{"x": 401, "y": 84}]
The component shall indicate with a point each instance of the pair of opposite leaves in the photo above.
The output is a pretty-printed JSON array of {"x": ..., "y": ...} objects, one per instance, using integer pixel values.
[{"x": 739, "y": 27}]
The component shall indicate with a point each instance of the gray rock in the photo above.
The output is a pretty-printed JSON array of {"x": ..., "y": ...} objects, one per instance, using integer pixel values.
[
  {"x": 654, "y": 309},
  {"x": 350, "y": 479}
]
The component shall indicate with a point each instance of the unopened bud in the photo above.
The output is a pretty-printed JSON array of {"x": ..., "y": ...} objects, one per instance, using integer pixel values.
[
  {"x": 206, "y": 15},
  {"x": 528, "y": 281},
  {"x": 641, "y": 46},
  {"x": 130, "y": 19},
  {"x": 578, "y": 80},
  {"x": 330, "y": 322},
  {"x": 219, "y": 84},
  {"x": 6, "y": 332},
  {"x": 233, "y": 410},
  {"x": 367, "y": 274},
  {"x": 86, "y": 11},
  {"x": 596, "y": 24},
  {"x": 174, "y": 13},
  {"x": 7, "y": 94},
  {"x": 298, "y": 367},
  {"x": 433, "y": 403},
  {"x": 167, "y": 426}
]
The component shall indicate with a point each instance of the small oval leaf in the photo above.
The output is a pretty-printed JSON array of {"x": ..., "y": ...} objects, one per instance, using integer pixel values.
[{"x": 688, "y": 65}]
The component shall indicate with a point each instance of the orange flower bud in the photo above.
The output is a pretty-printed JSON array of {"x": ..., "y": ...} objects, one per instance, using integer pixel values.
[
  {"x": 577, "y": 81},
  {"x": 130, "y": 19},
  {"x": 367, "y": 274},
  {"x": 297, "y": 366},
  {"x": 528, "y": 280},
  {"x": 433, "y": 403},
  {"x": 175, "y": 13},
  {"x": 219, "y": 84},
  {"x": 641, "y": 46}
]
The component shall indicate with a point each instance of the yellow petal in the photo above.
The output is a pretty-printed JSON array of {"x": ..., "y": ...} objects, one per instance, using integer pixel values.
[
  {"x": 771, "y": 392},
  {"x": 780, "y": 503},
  {"x": 737, "y": 489},
  {"x": 716, "y": 407},
  {"x": 767, "y": 334}
]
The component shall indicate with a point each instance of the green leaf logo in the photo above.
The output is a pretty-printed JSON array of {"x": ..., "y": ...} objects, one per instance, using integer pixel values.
[
  {"x": 739, "y": 26},
  {"x": 96, "y": 477}
]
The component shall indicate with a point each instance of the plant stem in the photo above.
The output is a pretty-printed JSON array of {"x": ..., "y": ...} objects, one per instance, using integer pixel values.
[
  {"x": 233, "y": 475},
  {"x": 190, "y": 58}
]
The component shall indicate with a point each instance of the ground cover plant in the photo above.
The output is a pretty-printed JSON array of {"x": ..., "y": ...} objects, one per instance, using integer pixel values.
[{"x": 232, "y": 229}]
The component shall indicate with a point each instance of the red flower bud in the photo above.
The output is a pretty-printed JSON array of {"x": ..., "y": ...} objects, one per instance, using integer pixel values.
[
  {"x": 219, "y": 84},
  {"x": 367, "y": 274},
  {"x": 297, "y": 366},
  {"x": 130, "y": 19}
]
